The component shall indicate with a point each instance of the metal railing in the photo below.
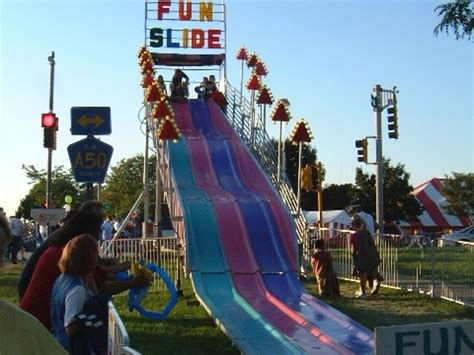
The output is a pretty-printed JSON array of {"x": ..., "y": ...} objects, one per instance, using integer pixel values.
[
  {"x": 118, "y": 341},
  {"x": 446, "y": 272},
  {"x": 160, "y": 251}
]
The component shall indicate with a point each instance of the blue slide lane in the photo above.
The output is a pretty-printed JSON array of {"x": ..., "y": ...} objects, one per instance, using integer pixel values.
[
  {"x": 209, "y": 271},
  {"x": 266, "y": 241}
]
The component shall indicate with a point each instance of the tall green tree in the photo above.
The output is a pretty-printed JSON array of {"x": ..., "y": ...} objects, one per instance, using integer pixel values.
[
  {"x": 62, "y": 184},
  {"x": 459, "y": 192},
  {"x": 457, "y": 16},
  {"x": 124, "y": 183},
  {"x": 399, "y": 201},
  {"x": 338, "y": 197}
]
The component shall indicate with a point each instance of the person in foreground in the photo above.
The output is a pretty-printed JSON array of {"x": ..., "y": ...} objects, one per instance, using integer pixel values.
[
  {"x": 72, "y": 290},
  {"x": 20, "y": 332},
  {"x": 322, "y": 263},
  {"x": 41, "y": 271},
  {"x": 365, "y": 256},
  {"x": 36, "y": 295}
]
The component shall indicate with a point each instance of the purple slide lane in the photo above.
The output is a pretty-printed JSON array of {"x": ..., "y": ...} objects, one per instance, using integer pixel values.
[{"x": 242, "y": 263}]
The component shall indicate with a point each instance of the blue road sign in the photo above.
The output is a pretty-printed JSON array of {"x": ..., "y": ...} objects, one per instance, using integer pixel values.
[
  {"x": 90, "y": 159},
  {"x": 90, "y": 121}
]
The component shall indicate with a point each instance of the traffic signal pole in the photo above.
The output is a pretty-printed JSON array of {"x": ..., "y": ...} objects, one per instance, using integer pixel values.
[
  {"x": 300, "y": 156},
  {"x": 50, "y": 150},
  {"x": 379, "y": 156},
  {"x": 382, "y": 99}
]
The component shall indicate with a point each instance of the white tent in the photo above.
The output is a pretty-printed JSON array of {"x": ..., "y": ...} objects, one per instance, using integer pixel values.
[{"x": 334, "y": 219}]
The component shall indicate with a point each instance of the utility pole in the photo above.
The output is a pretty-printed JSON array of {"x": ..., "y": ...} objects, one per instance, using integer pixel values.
[
  {"x": 378, "y": 158},
  {"x": 380, "y": 100},
  {"x": 50, "y": 149}
]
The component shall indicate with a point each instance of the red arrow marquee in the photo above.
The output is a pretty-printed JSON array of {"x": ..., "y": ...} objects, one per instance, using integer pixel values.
[
  {"x": 242, "y": 54},
  {"x": 265, "y": 97},
  {"x": 280, "y": 112},
  {"x": 301, "y": 132},
  {"x": 253, "y": 83}
]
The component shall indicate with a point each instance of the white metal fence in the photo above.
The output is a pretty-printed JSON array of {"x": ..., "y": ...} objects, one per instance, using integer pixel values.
[
  {"x": 160, "y": 251},
  {"x": 118, "y": 342},
  {"x": 415, "y": 264}
]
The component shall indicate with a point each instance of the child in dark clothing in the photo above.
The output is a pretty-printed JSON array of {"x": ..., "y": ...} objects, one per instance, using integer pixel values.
[{"x": 322, "y": 264}]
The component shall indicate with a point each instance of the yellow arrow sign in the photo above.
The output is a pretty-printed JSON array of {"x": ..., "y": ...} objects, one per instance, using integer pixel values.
[{"x": 85, "y": 120}]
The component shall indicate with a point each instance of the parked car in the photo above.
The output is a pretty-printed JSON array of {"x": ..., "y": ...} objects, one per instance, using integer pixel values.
[{"x": 465, "y": 235}]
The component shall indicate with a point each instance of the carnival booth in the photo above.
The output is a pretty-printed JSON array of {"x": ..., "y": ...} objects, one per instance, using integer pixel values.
[{"x": 333, "y": 221}]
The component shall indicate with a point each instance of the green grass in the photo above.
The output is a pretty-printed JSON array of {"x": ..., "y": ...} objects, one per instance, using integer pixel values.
[
  {"x": 394, "y": 307},
  {"x": 189, "y": 330},
  {"x": 449, "y": 262}
]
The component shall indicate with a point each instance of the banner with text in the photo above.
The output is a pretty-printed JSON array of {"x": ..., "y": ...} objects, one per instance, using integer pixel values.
[{"x": 185, "y": 27}]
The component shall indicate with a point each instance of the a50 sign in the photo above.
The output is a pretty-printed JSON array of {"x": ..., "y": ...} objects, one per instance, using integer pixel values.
[{"x": 90, "y": 159}]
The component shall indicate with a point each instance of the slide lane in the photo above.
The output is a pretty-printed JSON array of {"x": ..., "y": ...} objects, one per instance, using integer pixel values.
[
  {"x": 286, "y": 286},
  {"x": 253, "y": 208},
  {"x": 211, "y": 280},
  {"x": 257, "y": 181},
  {"x": 250, "y": 285}
]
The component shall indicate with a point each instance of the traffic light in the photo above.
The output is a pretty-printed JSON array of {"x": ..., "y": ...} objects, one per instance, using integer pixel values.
[
  {"x": 49, "y": 137},
  {"x": 362, "y": 145},
  {"x": 49, "y": 122},
  {"x": 393, "y": 119},
  {"x": 307, "y": 177}
]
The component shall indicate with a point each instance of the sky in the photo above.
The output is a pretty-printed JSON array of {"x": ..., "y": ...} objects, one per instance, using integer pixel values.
[{"x": 323, "y": 56}]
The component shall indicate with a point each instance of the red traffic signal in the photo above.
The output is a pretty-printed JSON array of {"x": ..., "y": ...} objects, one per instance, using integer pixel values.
[{"x": 48, "y": 120}]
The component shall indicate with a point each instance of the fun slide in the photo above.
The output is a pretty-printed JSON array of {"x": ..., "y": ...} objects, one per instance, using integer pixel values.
[{"x": 241, "y": 245}]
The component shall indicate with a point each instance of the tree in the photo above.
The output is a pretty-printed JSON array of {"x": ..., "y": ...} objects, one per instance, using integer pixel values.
[
  {"x": 62, "y": 184},
  {"x": 124, "y": 183},
  {"x": 338, "y": 197},
  {"x": 459, "y": 192},
  {"x": 309, "y": 155},
  {"x": 399, "y": 201},
  {"x": 458, "y": 16}
]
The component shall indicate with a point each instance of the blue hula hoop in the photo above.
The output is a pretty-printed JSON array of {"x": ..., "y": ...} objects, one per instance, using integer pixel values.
[{"x": 137, "y": 294}]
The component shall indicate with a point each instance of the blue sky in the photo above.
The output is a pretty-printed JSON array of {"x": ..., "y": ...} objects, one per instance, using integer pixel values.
[{"x": 324, "y": 56}]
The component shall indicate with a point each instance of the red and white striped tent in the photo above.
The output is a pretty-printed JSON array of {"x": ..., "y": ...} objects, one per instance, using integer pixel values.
[{"x": 430, "y": 197}]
